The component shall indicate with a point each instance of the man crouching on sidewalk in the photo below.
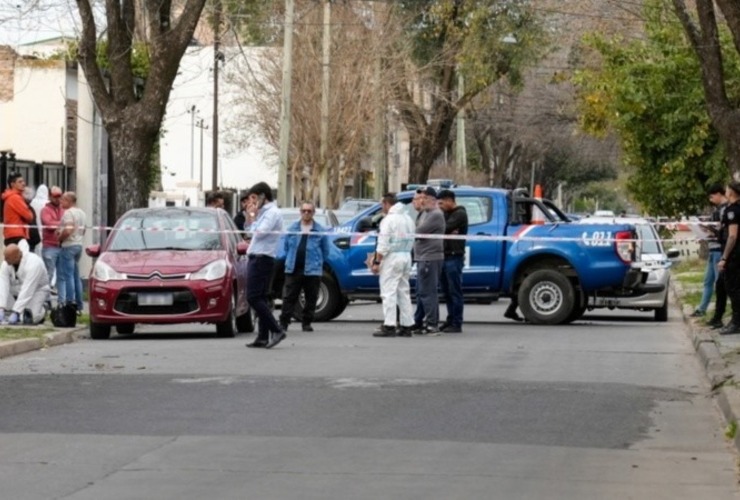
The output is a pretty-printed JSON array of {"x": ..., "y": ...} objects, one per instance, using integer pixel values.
[{"x": 24, "y": 287}]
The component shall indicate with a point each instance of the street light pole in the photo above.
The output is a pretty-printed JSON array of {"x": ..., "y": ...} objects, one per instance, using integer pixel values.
[{"x": 202, "y": 126}]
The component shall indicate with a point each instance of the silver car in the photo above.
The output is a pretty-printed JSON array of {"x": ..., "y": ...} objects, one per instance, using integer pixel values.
[{"x": 655, "y": 261}]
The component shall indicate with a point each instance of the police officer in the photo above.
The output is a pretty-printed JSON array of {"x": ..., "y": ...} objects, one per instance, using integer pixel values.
[{"x": 729, "y": 262}]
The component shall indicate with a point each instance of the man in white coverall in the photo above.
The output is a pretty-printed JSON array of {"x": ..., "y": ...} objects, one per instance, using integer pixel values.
[
  {"x": 393, "y": 262},
  {"x": 24, "y": 287}
]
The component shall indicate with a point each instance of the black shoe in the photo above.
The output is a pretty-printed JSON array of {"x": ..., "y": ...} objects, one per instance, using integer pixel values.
[
  {"x": 730, "y": 329},
  {"x": 258, "y": 344},
  {"x": 307, "y": 328},
  {"x": 27, "y": 317},
  {"x": 715, "y": 323},
  {"x": 386, "y": 331},
  {"x": 513, "y": 315},
  {"x": 452, "y": 329},
  {"x": 405, "y": 331},
  {"x": 275, "y": 339},
  {"x": 697, "y": 314}
]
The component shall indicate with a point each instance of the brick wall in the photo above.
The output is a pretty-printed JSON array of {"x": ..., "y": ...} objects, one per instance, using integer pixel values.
[{"x": 7, "y": 67}]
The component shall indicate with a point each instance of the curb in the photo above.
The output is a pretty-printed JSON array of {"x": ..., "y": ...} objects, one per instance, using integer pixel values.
[
  {"x": 716, "y": 368},
  {"x": 20, "y": 346}
]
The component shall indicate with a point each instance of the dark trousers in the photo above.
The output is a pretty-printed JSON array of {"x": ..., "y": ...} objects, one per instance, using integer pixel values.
[
  {"x": 732, "y": 286},
  {"x": 294, "y": 283},
  {"x": 259, "y": 277},
  {"x": 427, "y": 294},
  {"x": 451, "y": 282},
  {"x": 720, "y": 294}
]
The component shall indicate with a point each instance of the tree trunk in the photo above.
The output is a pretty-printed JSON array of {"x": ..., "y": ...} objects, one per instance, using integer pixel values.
[{"x": 131, "y": 149}]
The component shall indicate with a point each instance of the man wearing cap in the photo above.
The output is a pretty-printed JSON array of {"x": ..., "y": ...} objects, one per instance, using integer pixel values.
[
  {"x": 429, "y": 257},
  {"x": 456, "y": 223},
  {"x": 51, "y": 216},
  {"x": 264, "y": 223}
]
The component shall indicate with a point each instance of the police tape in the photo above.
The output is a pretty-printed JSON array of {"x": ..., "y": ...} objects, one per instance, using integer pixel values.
[{"x": 588, "y": 237}]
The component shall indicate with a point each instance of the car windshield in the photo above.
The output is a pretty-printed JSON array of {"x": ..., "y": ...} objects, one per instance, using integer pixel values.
[{"x": 167, "y": 229}]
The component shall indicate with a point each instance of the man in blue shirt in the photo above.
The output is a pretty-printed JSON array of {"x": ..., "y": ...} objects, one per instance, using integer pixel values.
[
  {"x": 306, "y": 247},
  {"x": 264, "y": 223}
]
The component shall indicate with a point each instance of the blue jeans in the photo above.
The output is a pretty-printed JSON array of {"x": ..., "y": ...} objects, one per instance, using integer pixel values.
[
  {"x": 710, "y": 278},
  {"x": 451, "y": 281},
  {"x": 69, "y": 283},
  {"x": 51, "y": 257}
]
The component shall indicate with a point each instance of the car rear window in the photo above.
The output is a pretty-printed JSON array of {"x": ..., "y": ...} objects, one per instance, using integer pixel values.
[{"x": 167, "y": 230}]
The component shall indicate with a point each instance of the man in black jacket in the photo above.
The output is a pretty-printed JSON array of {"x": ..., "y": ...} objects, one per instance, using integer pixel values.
[{"x": 456, "y": 224}]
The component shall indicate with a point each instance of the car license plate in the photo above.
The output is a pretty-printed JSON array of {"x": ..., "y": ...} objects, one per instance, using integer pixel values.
[{"x": 154, "y": 299}]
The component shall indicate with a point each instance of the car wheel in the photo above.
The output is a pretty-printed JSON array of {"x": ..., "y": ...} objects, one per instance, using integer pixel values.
[
  {"x": 228, "y": 328},
  {"x": 125, "y": 328},
  {"x": 661, "y": 313},
  {"x": 245, "y": 322},
  {"x": 99, "y": 331},
  {"x": 546, "y": 297},
  {"x": 329, "y": 301}
]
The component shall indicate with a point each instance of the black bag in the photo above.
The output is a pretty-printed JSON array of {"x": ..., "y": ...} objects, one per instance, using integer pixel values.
[{"x": 64, "y": 316}]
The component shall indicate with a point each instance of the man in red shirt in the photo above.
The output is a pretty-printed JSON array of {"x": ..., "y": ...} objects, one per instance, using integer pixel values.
[{"x": 51, "y": 215}]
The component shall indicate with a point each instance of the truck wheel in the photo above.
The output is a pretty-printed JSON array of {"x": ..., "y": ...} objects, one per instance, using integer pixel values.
[
  {"x": 546, "y": 297},
  {"x": 579, "y": 309},
  {"x": 661, "y": 313},
  {"x": 341, "y": 307},
  {"x": 329, "y": 300}
]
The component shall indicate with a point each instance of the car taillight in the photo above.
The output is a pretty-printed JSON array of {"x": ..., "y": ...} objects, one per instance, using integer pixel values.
[{"x": 624, "y": 245}]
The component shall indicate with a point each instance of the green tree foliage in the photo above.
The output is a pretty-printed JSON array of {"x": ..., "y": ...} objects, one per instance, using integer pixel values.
[
  {"x": 649, "y": 91},
  {"x": 482, "y": 40}
]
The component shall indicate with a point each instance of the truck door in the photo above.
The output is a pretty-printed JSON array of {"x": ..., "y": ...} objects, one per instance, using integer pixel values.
[{"x": 482, "y": 267}]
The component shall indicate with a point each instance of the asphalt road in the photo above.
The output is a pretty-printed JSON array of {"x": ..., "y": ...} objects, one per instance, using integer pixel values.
[{"x": 614, "y": 406}]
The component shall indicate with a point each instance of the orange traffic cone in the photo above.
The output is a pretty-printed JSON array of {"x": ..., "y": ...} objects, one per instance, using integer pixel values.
[{"x": 537, "y": 216}]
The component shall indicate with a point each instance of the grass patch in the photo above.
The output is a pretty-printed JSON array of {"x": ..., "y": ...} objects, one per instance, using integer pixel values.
[
  {"x": 689, "y": 266},
  {"x": 731, "y": 430},
  {"x": 20, "y": 332},
  {"x": 692, "y": 298}
]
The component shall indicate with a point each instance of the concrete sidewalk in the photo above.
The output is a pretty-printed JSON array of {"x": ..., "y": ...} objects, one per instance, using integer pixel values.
[{"x": 720, "y": 356}]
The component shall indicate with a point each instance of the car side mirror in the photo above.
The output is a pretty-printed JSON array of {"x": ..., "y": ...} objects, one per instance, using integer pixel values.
[
  {"x": 673, "y": 253},
  {"x": 93, "y": 250}
]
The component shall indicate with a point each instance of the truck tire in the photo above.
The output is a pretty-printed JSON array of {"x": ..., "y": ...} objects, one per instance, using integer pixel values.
[
  {"x": 661, "y": 313},
  {"x": 546, "y": 297},
  {"x": 579, "y": 309},
  {"x": 330, "y": 300}
]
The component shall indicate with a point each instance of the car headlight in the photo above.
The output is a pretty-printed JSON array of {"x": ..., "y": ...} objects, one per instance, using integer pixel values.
[
  {"x": 213, "y": 271},
  {"x": 103, "y": 272}
]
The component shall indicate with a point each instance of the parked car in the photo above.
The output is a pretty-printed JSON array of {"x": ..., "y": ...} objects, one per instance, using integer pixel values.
[
  {"x": 170, "y": 265},
  {"x": 655, "y": 260},
  {"x": 356, "y": 205}
]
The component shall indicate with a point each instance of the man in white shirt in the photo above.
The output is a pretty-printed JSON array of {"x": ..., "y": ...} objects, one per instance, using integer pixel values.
[{"x": 24, "y": 287}]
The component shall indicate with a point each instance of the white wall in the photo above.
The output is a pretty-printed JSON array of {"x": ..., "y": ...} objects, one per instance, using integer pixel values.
[
  {"x": 37, "y": 111},
  {"x": 194, "y": 87}
]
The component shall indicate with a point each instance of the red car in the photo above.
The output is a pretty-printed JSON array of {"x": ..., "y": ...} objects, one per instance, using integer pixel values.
[{"x": 170, "y": 265}]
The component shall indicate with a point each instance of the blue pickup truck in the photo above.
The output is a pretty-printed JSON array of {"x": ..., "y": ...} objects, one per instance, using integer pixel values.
[{"x": 551, "y": 268}]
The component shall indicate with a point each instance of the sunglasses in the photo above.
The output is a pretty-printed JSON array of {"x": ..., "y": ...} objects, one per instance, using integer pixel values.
[{"x": 306, "y": 211}]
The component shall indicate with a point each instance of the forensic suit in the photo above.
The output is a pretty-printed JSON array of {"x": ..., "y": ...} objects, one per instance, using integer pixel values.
[{"x": 24, "y": 287}]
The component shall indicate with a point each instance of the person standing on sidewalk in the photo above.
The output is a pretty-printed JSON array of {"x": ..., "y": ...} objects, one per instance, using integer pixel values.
[
  {"x": 729, "y": 262},
  {"x": 711, "y": 274},
  {"x": 306, "y": 248},
  {"x": 393, "y": 262},
  {"x": 51, "y": 218},
  {"x": 264, "y": 223},
  {"x": 17, "y": 214},
  {"x": 71, "y": 231},
  {"x": 456, "y": 223},
  {"x": 429, "y": 257}
]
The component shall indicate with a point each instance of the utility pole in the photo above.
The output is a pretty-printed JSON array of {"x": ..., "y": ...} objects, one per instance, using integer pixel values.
[
  {"x": 217, "y": 57},
  {"x": 285, "y": 188},
  {"x": 326, "y": 74},
  {"x": 202, "y": 126},
  {"x": 461, "y": 156},
  {"x": 192, "y": 141}
]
